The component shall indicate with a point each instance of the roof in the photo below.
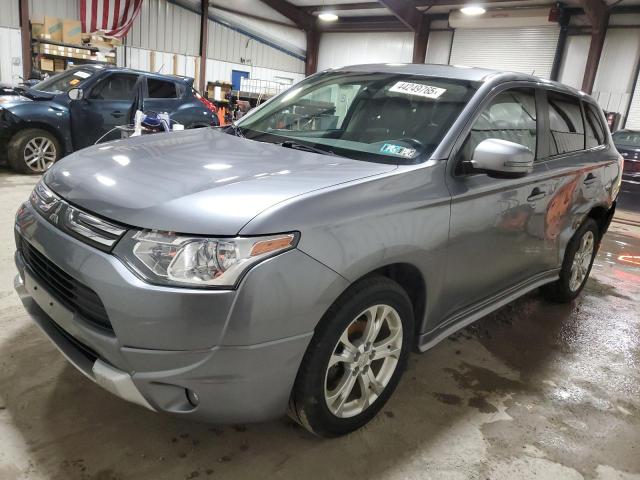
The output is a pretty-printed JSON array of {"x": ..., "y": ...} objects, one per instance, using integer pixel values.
[
  {"x": 455, "y": 72},
  {"x": 110, "y": 68}
]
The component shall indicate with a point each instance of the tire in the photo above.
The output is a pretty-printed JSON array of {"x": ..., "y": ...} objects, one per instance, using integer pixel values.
[
  {"x": 315, "y": 400},
  {"x": 567, "y": 288},
  {"x": 33, "y": 151}
]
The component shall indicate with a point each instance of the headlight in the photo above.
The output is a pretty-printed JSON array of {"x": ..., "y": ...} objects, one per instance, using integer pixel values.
[{"x": 170, "y": 259}]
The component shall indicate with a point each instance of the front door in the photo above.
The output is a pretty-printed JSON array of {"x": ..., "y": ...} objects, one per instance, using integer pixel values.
[
  {"x": 497, "y": 224},
  {"x": 107, "y": 105}
]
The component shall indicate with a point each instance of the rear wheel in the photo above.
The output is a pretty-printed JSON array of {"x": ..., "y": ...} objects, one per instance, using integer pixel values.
[
  {"x": 355, "y": 359},
  {"x": 578, "y": 260},
  {"x": 33, "y": 151}
]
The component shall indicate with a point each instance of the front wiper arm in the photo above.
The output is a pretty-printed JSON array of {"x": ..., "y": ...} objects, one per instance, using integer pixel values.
[{"x": 306, "y": 148}]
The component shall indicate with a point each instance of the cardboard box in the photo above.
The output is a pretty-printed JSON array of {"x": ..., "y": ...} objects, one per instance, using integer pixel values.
[
  {"x": 46, "y": 64},
  {"x": 58, "y": 65},
  {"x": 37, "y": 29},
  {"x": 72, "y": 31},
  {"x": 53, "y": 28}
]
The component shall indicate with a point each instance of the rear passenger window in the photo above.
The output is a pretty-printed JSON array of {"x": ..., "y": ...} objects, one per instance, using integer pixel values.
[
  {"x": 595, "y": 131},
  {"x": 161, "y": 89},
  {"x": 565, "y": 122},
  {"x": 510, "y": 116}
]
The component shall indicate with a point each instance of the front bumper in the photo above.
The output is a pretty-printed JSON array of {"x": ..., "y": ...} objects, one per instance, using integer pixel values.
[{"x": 237, "y": 350}]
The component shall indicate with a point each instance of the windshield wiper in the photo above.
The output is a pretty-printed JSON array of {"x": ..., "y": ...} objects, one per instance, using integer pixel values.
[
  {"x": 306, "y": 148},
  {"x": 237, "y": 131}
]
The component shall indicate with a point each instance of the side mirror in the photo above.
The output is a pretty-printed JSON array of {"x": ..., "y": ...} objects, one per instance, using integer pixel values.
[
  {"x": 502, "y": 159},
  {"x": 75, "y": 94}
]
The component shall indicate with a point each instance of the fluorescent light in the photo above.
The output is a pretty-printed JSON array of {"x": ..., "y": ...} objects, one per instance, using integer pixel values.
[
  {"x": 473, "y": 10},
  {"x": 328, "y": 16}
]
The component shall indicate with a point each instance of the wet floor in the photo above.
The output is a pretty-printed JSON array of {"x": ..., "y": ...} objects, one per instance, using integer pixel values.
[{"x": 535, "y": 390}]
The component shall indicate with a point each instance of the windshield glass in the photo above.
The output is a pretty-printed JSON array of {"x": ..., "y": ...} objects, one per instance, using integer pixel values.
[
  {"x": 627, "y": 138},
  {"x": 381, "y": 117},
  {"x": 65, "y": 81}
]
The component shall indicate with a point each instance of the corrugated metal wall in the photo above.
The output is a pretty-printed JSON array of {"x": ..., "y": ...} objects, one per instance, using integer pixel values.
[
  {"x": 10, "y": 55},
  {"x": 56, "y": 8},
  {"x": 165, "y": 27},
  {"x": 439, "y": 47},
  {"x": 633, "y": 120},
  {"x": 340, "y": 49},
  {"x": 613, "y": 85},
  {"x": 526, "y": 50},
  {"x": 231, "y": 46},
  {"x": 574, "y": 60},
  {"x": 10, "y": 14}
]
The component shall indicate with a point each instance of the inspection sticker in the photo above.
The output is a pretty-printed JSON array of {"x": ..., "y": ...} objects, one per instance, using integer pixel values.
[
  {"x": 82, "y": 74},
  {"x": 417, "y": 89},
  {"x": 399, "y": 150}
]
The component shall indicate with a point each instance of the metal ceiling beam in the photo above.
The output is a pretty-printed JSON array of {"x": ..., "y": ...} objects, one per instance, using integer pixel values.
[
  {"x": 598, "y": 13},
  {"x": 416, "y": 3},
  {"x": 416, "y": 21},
  {"x": 303, "y": 20}
]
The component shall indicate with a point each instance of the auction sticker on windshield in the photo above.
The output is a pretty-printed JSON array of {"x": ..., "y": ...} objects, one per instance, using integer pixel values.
[{"x": 417, "y": 89}]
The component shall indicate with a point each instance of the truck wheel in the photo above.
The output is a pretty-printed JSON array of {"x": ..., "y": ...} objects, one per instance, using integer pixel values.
[
  {"x": 576, "y": 266},
  {"x": 33, "y": 151},
  {"x": 355, "y": 358}
]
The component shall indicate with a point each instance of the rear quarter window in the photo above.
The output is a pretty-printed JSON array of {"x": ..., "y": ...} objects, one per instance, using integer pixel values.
[
  {"x": 161, "y": 88},
  {"x": 565, "y": 124},
  {"x": 595, "y": 135}
]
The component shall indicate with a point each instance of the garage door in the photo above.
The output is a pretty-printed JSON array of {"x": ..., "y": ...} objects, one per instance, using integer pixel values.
[
  {"x": 526, "y": 50},
  {"x": 633, "y": 120}
]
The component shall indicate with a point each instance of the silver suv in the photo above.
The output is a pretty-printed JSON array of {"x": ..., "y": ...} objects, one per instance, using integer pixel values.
[{"x": 292, "y": 261}]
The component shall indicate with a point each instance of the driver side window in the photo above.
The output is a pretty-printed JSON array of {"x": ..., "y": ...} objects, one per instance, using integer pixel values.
[
  {"x": 510, "y": 116},
  {"x": 119, "y": 86}
]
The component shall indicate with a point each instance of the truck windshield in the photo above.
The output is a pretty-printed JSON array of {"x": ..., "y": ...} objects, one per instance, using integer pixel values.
[
  {"x": 380, "y": 117},
  {"x": 65, "y": 81}
]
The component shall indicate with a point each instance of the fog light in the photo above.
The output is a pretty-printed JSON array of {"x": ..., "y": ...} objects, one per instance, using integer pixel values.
[{"x": 193, "y": 398}]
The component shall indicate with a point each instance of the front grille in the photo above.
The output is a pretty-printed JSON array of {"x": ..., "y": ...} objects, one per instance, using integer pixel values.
[{"x": 70, "y": 292}]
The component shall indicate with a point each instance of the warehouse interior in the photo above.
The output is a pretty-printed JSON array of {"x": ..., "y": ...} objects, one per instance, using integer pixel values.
[{"x": 533, "y": 390}]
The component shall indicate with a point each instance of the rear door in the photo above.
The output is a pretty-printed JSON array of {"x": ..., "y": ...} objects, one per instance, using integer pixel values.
[
  {"x": 497, "y": 224},
  {"x": 575, "y": 161},
  {"x": 108, "y": 104}
]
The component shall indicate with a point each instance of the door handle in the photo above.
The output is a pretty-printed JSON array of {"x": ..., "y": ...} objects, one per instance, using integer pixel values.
[
  {"x": 536, "y": 194},
  {"x": 589, "y": 179},
  {"x": 117, "y": 114}
]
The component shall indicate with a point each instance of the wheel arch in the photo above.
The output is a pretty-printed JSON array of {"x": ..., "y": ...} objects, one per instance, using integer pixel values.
[
  {"x": 412, "y": 281},
  {"x": 47, "y": 128}
]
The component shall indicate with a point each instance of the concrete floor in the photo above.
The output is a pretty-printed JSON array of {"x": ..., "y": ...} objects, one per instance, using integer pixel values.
[{"x": 534, "y": 391}]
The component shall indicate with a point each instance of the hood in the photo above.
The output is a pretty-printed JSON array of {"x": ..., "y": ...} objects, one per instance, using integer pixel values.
[{"x": 198, "y": 181}]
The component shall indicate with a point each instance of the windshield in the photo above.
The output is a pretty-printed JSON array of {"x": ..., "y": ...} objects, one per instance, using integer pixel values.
[
  {"x": 625, "y": 137},
  {"x": 65, "y": 81},
  {"x": 381, "y": 117}
]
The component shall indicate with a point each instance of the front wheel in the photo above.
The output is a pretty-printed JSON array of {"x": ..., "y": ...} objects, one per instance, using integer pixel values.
[
  {"x": 577, "y": 263},
  {"x": 355, "y": 359},
  {"x": 33, "y": 151}
]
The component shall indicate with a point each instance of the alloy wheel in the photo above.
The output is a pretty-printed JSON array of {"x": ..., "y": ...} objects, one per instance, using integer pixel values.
[
  {"x": 363, "y": 361},
  {"x": 582, "y": 261},
  {"x": 39, "y": 154}
]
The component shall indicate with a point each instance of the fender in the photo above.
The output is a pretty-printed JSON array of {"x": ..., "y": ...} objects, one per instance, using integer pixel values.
[{"x": 47, "y": 115}]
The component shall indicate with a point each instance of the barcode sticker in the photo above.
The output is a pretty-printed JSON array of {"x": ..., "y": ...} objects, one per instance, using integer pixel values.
[{"x": 417, "y": 89}]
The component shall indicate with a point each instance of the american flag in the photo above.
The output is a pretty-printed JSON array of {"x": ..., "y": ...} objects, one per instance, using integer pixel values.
[{"x": 109, "y": 17}]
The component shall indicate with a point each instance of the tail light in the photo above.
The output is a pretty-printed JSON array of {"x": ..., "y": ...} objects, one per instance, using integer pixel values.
[{"x": 207, "y": 104}]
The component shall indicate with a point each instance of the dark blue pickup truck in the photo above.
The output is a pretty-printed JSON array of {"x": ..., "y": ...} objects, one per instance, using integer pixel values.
[{"x": 76, "y": 108}]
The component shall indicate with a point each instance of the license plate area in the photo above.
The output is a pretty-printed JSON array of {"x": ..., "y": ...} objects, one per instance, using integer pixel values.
[{"x": 58, "y": 312}]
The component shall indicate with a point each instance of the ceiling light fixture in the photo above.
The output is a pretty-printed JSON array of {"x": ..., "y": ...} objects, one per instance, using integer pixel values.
[
  {"x": 327, "y": 16},
  {"x": 473, "y": 10}
]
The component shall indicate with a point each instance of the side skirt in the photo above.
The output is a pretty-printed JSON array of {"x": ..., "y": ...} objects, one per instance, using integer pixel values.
[{"x": 470, "y": 314}]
